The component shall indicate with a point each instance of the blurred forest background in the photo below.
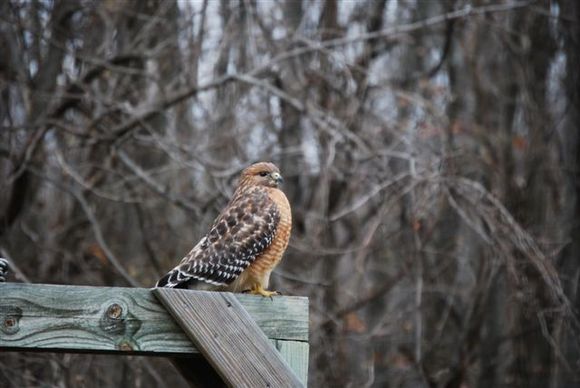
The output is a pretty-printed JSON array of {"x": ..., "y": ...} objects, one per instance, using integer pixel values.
[{"x": 430, "y": 150}]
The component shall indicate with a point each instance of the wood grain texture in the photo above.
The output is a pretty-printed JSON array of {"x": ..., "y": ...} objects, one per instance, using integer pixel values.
[
  {"x": 40, "y": 317},
  {"x": 295, "y": 353},
  {"x": 229, "y": 338}
]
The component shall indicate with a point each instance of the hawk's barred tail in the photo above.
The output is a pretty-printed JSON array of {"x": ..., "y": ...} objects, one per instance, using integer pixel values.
[
  {"x": 170, "y": 280},
  {"x": 3, "y": 269},
  {"x": 164, "y": 281}
]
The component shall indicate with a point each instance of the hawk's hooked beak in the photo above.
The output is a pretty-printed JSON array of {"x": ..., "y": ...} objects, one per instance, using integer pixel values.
[{"x": 277, "y": 178}]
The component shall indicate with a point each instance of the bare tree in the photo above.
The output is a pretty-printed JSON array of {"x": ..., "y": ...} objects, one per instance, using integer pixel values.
[{"x": 430, "y": 150}]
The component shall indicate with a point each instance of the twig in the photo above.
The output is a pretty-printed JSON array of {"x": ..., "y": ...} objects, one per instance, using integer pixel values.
[
  {"x": 94, "y": 223},
  {"x": 154, "y": 185},
  {"x": 393, "y": 31},
  {"x": 365, "y": 198}
]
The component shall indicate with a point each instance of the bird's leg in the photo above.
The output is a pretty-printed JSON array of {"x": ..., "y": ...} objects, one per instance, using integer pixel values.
[{"x": 257, "y": 289}]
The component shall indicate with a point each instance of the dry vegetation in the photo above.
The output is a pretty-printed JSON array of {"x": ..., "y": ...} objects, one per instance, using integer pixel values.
[{"x": 430, "y": 149}]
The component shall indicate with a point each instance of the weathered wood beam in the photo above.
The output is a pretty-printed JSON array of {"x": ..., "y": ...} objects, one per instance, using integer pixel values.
[
  {"x": 41, "y": 317},
  {"x": 229, "y": 338}
]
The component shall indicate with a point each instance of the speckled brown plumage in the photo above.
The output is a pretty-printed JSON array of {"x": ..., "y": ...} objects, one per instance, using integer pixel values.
[{"x": 246, "y": 241}]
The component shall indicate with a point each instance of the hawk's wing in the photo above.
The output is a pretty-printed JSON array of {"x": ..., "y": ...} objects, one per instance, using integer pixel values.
[{"x": 241, "y": 232}]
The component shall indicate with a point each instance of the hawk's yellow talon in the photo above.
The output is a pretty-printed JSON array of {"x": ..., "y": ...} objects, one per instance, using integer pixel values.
[{"x": 259, "y": 290}]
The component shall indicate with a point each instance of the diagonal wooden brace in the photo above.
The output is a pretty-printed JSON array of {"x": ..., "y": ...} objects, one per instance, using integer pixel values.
[{"x": 228, "y": 337}]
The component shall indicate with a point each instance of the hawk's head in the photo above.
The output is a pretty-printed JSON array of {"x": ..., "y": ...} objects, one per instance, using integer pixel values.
[{"x": 261, "y": 174}]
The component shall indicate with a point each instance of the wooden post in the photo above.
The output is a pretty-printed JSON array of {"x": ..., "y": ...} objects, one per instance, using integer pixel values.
[
  {"x": 229, "y": 338},
  {"x": 115, "y": 320}
]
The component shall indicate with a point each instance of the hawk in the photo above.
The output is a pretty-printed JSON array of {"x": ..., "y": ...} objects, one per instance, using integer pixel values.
[
  {"x": 245, "y": 242},
  {"x": 3, "y": 269}
]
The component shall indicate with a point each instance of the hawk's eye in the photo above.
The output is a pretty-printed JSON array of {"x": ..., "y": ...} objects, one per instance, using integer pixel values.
[{"x": 263, "y": 173}]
